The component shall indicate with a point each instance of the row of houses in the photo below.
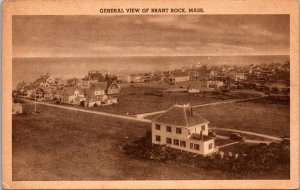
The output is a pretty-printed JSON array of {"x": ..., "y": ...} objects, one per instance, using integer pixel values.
[
  {"x": 48, "y": 81},
  {"x": 97, "y": 92},
  {"x": 95, "y": 89},
  {"x": 225, "y": 73}
]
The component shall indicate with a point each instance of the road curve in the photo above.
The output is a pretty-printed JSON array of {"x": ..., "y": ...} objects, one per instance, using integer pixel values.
[
  {"x": 248, "y": 133},
  {"x": 141, "y": 119},
  {"x": 93, "y": 112},
  {"x": 202, "y": 105}
]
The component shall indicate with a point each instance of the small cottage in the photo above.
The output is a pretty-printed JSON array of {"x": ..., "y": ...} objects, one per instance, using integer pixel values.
[
  {"x": 112, "y": 87},
  {"x": 72, "y": 95},
  {"x": 17, "y": 108},
  {"x": 214, "y": 84}
]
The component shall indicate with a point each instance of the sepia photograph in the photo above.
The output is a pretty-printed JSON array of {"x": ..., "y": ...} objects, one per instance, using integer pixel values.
[
  {"x": 154, "y": 94},
  {"x": 177, "y": 97}
]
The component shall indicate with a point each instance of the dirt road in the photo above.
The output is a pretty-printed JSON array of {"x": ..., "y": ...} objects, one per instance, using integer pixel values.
[{"x": 202, "y": 105}]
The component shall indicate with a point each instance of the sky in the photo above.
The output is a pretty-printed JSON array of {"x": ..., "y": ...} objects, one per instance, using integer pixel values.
[{"x": 150, "y": 35}]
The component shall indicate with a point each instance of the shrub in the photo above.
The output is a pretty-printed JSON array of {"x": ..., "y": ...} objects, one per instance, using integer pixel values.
[{"x": 144, "y": 149}]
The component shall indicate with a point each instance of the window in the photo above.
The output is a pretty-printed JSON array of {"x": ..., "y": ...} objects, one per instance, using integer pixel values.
[
  {"x": 182, "y": 143},
  {"x": 169, "y": 140},
  {"x": 157, "y": 127},
  {"x": 178, "y": 130},
  {"x": 191, "y": 146},
  {"x": 157, "y": 137},
  {"x": 189, "y": 132},
  {"x": 169, "y": 129},
  {"x": 210, "y": 146},
  {"x": 196, "y": 147},
  {"x": 176, "y": 142},
  {"x": 203, "y": 127}
]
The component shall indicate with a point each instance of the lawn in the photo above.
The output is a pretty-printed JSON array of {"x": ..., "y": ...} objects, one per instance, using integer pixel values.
[
  {"x": 265, "y": 118},
  {"x": 139, "y": 99},
  {"x": 258, "y": 116},
  {"x": 59, "y": 144}
]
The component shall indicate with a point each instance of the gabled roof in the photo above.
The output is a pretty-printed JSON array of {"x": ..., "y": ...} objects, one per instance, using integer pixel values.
[
  {"x": 90, "y": 92},
  {"x": 110, "y": 83},
  {"x": 32, "y": 87},
  {"x": 71, "y": 90},
  {"x": 39, "y": 81},
  {"x": 99, "y": 86},
  {"x": 180, "y": 115}
]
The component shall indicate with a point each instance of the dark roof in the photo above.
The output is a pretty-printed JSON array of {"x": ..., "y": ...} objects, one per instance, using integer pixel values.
[
  {"x": 95, "y": 75},
  {"x": 110, "y": 83},
  {"x": 32, "y": 87},
  {"x": 39, "y": 81},
  {"x": 180, "y": 115},
  {"x": 99, "y": 86},
  {"x": 90, "y": 92},
  {"x": 71, "y": 90},
  {"x": 197, "y": 136}
]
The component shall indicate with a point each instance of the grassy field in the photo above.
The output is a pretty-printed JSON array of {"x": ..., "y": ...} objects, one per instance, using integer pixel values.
[
  {"x": 270, "y": 119},
  {"x": 59, "y": 144},
  {"x": 253, "y": 116},
  {"x": 139, "y": 99}
]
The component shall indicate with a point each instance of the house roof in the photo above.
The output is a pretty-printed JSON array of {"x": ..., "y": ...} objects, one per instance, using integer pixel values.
[
  {"x": 90, "y": 92},
  {"x": 100, "y": 85},
  {"x": 32, "y": 87},
  {"x": 95, "y": 75},
  {"x": 180, "y": 115},
  {"x": 110, "y": 83},
  {"x": 59, "y": 92},
  {"x": 71, "y": 90},
  {"x": 39, "y": 81}
]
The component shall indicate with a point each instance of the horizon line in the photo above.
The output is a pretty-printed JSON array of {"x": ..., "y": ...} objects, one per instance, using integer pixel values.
[{"x": 156, "y": 56}]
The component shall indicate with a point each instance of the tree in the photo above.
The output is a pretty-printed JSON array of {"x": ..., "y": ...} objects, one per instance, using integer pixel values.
[{"x": 21, "y": 85}]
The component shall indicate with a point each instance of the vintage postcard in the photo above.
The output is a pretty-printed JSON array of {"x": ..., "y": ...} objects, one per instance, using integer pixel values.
[{"x": 111, "y": 94}]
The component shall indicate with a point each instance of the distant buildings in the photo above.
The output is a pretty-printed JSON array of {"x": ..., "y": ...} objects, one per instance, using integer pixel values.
[
  {"x": 112, "y": 87},
  {"x": 239, "y": 76},
  {"x": 92, "y": 78},
  {"x": 178, "y": 77},
  {"x": 181, "y": 128},
  {"x": 72, "y": 95},
  {"x": 214, "y": 84},
  {"x": 135, "y": 79}
]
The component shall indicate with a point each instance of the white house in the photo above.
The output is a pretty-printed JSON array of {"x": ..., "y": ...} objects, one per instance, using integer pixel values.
[
  {"x": 214, "y": 84},
  {"x": 135, "y": 78},
  {"x": 239, "y": 76},
  {"x": 71, "y": 95},
  {"x": 48, "y": 78},
  {"x": 178, "y": 77},
  {"x": 17, "y": 108},
  {"x": 182, "y": 128}
]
